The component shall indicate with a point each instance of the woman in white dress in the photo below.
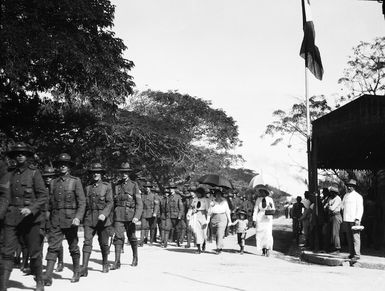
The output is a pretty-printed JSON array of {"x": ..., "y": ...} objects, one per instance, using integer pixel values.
[
  {"x": 197, "y": 216},
  {"x": 263, "y": 222}
]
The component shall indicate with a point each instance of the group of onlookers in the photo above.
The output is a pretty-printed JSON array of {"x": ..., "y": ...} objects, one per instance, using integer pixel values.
[{"x": 326, "y": 219}]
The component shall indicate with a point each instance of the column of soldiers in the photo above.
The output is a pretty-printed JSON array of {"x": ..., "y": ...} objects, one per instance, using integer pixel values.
[{"x": 53, "y": 204}]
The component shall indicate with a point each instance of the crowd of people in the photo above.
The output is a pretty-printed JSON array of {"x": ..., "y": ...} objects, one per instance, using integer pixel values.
[
  {"x": 51, "y": 205},
  {"x": 328, "y": 218}
]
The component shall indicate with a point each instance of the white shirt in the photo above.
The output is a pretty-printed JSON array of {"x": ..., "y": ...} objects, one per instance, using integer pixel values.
[
  {"x": 334, "y": 204},
  {"x": 352, "y": 206}
]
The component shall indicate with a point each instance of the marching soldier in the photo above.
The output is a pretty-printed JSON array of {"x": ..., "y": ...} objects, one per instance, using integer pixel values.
[
  {"x": 67, "y": 206},
  {"x": 150, "y": 210},
  {"x": 187, "y": 199},
  {"x": 127, "y": 212},
  {"x": 4, "y": 199},
  {"x": 28, "y": 197},
  {"x": 48, "y": 175},
  {"x": 99, "y": 204},
  {"x": 171, "y": 213}
]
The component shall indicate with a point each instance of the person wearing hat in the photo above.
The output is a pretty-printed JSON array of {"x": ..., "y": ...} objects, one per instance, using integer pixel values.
[
  {"x": 264, "y": 222},
  {"x": 28, "y": 197},
  {"x": 219, "y": 217},
  {"x": 97, "y": 218},
  {"x": 187, "y": 199},
  {"x": 150, "y": 210},
  {"x": 127, "y": 212},
  {"x": 352, "y": 209},
  {"x": 49, "y": 174},
  {"x": 198, "y": 218},
  {"x": 67, "y": 207},
  {"x": 4, "y": 198},
  {"x": 333, "y": 209},
  {"x": 171, "y": 213},
  {"x": 241, "y": 224}
]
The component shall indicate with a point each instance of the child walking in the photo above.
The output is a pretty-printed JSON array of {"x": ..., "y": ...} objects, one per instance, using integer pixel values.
[{"x": 241, "y": 225}]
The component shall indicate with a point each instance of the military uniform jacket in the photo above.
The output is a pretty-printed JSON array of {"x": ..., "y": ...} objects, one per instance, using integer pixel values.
[
  {"x": 27, "y": 190},
  {"x": 4, "y": 194},
  {"x": 128, "y": 201},
  {"x": 99, "y": 200},
  {"x": 172, "y": 207},
  {"x": 67, "y": 201},
  {"x": 150, "y": 205}
]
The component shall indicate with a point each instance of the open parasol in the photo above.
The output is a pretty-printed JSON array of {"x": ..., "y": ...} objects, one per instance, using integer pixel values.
[{"x": 215, "y": 180}]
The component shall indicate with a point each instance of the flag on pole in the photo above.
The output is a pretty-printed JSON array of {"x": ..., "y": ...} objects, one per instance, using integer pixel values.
[{"x": 309, "y": 51}]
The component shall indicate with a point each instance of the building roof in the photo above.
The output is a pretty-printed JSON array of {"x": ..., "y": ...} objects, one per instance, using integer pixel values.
[{"x": 352, "y": 136}]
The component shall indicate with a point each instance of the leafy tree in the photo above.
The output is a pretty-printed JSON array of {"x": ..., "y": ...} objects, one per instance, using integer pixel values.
[
  {"x": 64, "y": 46},
  {"x": 293, "y": 123},
  {"x": 365, "y": 72}
]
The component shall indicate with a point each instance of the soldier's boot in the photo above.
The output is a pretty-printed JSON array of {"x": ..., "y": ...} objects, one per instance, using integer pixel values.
[
  {"x": 152, "y": 236},
  {"x": 242, "y": 250},
  {"x": 5, "y": 273},
  {"x": 145, "y": 237},
  {"x": 116, "y": 264},
  {"x": 60, "y": 264},
  {"x": 181, "y": 237},
  {"x": 134, "y": 247},
  {"x": 106, "y": 267},
  {"x": 47, "y": 277},
  {"x": 37, "y": 270},
  {"x": 188, "y": 239},
  {"x": 141, "y": 238},
  {"x": 204, "y": 246},
  {"x": 165, "y": 238},
  {"x": 84, "y": 268},
  {"x": 76, "y": 269}
]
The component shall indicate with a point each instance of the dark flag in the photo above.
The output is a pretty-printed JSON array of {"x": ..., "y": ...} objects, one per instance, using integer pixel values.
[{"x": 309, "y": 51}]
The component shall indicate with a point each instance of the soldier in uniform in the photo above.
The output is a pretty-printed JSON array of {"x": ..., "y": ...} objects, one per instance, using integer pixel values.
[
  {"x": 48, "y": 175},
  {"x": 97, "y": 219},
  {"x": 67, "y": 206},
  {"x": 23, "y": 218},
  {"x": 4, "y": 200},
  {"x": 171, "y": 213},
  {"x": 183, "y": 225},
  {"x": 127, "y": 212},
  {"x": 150, "y": 211}
]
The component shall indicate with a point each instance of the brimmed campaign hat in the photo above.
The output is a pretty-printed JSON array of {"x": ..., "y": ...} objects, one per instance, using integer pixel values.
[
  {"x": 48, "y": 172},
  {"x": 333, "y": 189},
  {"x": 96, "y": 168},
  {"x": 351, "y": 182},
  {"x": 148, "y": 184},
  {"x": 64, "y": 159},
  {"x": 125, "y": 167},
  {"x": 20, "y": 147}
]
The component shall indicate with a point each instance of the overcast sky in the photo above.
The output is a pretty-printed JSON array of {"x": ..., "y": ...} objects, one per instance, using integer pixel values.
[{"x": 244, "y": 57}]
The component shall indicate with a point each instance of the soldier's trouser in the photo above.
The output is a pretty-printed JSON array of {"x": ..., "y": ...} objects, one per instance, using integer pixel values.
[
  {"x": 89, "y": 233},
  {"x": 30, "y": 234},
  {"x": 55, "y": 240},
  {"x": 182, "y": 228},
  {"x": 175, "y": 227},
  {"x": 148, "y": 224},
  {"x": 121, "y": 227}
]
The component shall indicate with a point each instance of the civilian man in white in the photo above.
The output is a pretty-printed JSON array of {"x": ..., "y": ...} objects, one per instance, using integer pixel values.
[{"x": 353, "y": 208}]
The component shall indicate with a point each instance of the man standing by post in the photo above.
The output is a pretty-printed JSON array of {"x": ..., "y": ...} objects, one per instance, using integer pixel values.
[
  {"x": 67, "y": 206},
  {"x": 127, "y": 212},
  {"x": 353, "y": 208},
  {"x": 99, "y": 204},
  {"x": 28, "y": 197},
  {"x": 150, "y": 210},
  {"x": 334, "y": 212}
]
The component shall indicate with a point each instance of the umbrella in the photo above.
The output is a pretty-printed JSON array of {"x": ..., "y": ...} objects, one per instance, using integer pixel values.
[
  {"x": 215, "y": 181},
  {"x": 256, "y": 181}
]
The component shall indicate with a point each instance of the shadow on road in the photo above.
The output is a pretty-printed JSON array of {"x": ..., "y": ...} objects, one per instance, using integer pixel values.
[{"x": 18, "y": 285}]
